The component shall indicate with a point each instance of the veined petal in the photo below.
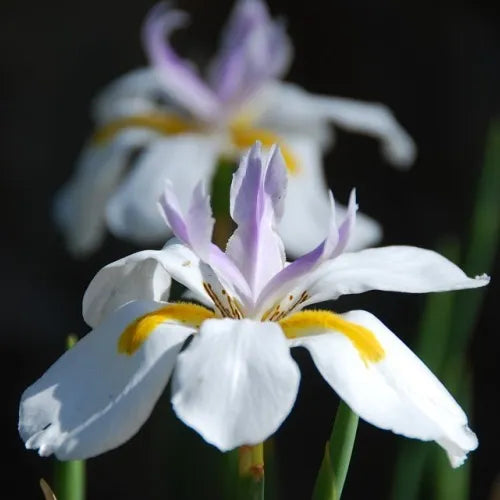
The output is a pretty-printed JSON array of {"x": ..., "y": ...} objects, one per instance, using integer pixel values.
[
  {"x": 236, "y": 382},
  {"x": 253, "y": 50},
  {"x": 395, "y": 268},
  {"x": 396, "y": 392},
  {"x": 257, "y": 194},
  {"x": 287, "y": 103},
  {"x": 186, "y": 160},
  {"x": 94, "y": 398},
  {"x": 139, "y": 276},
  {"x": 194, "y": 228},
  {"x": 177, "y": 76},
  {"x": 80, "y": 205},
  {"x": 278, "y": 295}
]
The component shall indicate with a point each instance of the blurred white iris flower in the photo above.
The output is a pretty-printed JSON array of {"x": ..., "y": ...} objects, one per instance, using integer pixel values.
[
  {"x": 166, "y": 122},
  {"x": 236, "y": 381}
]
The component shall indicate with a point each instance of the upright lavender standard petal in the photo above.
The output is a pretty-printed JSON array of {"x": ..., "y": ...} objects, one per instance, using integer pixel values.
[
  {"x": 332, "y": 246},
  {"x": 254, "y": 49},
  {"x": 179, "y": 80},
  {"x": 257, "y": 194},
  {"x": 195, "y": 230}
]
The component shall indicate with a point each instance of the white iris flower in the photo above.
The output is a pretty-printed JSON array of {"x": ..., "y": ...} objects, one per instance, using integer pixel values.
[
  {"x": 166, "y": 122},
  {"x": 236, "y": 381}
]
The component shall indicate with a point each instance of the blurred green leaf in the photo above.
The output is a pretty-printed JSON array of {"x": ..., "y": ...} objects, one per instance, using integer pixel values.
[{"x": 333, "y": 471}]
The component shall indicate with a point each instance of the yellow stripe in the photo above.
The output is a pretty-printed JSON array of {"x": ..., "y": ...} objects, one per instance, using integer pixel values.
[
  {"x": 245, "y": 137},
  {"x": 163, "y": 123},
  {"x": 304, "y": 323},
  {"x": 139, "y": 330}
]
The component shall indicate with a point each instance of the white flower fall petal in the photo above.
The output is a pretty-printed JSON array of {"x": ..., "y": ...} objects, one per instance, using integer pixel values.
[
  {"x": 394, "y": 268},
  {"x": 189, "y": 125},
  {"x": 397, "y": 392},
  {"x": 92, "y": 399},
  {"x": 236, "y": 382},
  {"x": 139, "y": 276},
  {"x": 80, "y": 205}
]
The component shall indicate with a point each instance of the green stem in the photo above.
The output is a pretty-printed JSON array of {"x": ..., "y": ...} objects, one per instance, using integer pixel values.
[
  {"x": 333, "y": 471},
  {"x": 69, "y": 480},
  {"x": 69, "y": 477},
  {"x": 251, "y": 472}
]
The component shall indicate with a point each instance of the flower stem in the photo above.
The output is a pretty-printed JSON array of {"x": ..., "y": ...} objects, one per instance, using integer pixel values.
[
  {"x": 333, "y": 471},
  {"x": 251, "y": 472},
  {"x": 69, "y": 477}
]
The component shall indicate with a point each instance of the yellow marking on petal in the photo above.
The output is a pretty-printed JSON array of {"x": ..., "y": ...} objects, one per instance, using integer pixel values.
[
  {"x": 245, "y": 137},
  {"x": 163, "y": 123},
  {"x": 139, "y": 330},
  {"x": 305, "y": 323}
]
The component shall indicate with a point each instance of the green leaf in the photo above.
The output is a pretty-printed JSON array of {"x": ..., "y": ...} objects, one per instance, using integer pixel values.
[{"x": 333, "y": 471}]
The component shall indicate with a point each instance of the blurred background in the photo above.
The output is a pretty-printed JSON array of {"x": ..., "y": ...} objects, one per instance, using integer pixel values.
[{"x": 437, "y": 68}]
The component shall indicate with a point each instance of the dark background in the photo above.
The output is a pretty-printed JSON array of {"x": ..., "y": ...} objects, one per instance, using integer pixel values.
[{"x": 437, "y": 68}]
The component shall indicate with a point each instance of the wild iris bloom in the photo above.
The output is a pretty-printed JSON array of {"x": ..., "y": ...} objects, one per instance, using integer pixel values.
[
  {"x": 236, "y": 382},
  {"x": 168, "y": 123}
]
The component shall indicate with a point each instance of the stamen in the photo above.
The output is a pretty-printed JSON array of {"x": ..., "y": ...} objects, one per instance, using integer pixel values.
[
  {"x": 225, "y": 313},
  {"x": 305, "y": 323},
  {"x": 245, "y": 137},
  {"x": 163, "y": 123},
  {"x": 139, "y": 330}
]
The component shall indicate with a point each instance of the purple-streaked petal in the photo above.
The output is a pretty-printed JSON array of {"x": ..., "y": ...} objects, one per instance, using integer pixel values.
[
  {"x": 195, "y": 230},
  {"x": 256, "y": 192},
  {"x": 331, "y": 246},
  {"x": 178, "y": 78},
  {"x": 346, "y": 228},
  {"x": 253, "y": 50}
]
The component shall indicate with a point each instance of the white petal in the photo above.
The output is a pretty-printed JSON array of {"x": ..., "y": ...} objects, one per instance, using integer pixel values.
[
  {"x": 185, "y": 160},
  {"x": 135, "y": 93},
  {"x": 307, "y": 205},
  {"x": 398, "y": 393},
  {"x": 185, "y": 267},
  {"x": 395, "y": 268},
  {"x": 93, "y": 399},
  {"x": 80, "y": 205},
  {"x": 139, "y": 276},
  {"x": 236, "y": 382},
  {"x": 143, "y": 275},
  {"x": 289, "y": 104}
]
